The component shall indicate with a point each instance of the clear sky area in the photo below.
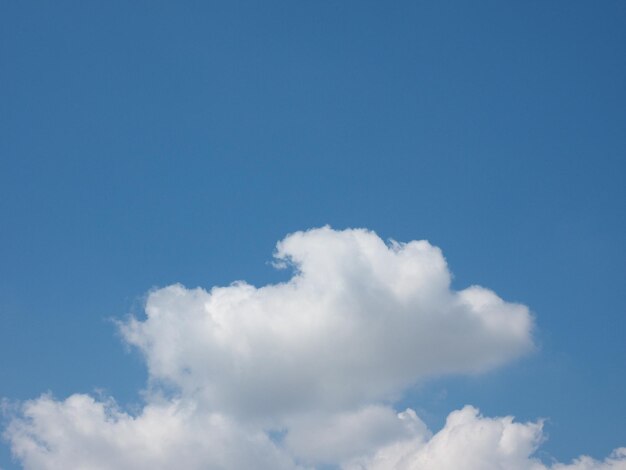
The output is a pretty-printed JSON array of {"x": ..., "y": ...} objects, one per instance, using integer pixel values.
[{"x": 150, "y": 143}]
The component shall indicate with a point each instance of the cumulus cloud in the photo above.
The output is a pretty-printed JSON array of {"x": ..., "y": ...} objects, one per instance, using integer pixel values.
[
  {"x": 472, "y": 442},
  {"x": 81, "y": 433},
  {"x": 85, "y": 434},
  {"x": 359, "y": 321},
  {"x": 302, "y": 374}
]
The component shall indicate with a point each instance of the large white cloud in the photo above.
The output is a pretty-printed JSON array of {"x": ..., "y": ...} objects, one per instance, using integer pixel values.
[
  {"x": 359, "y": 321},
  {"x": 302, "y": 374}
]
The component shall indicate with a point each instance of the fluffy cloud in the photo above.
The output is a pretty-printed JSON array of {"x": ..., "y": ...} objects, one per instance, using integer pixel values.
[
  {"x": 472, "y": 442},
  {"x": 81, "y": 433},
  {"x": 301, "y": 374},
  {"x": 85, "y": 434},
  {"x": 358, "y": 322}
]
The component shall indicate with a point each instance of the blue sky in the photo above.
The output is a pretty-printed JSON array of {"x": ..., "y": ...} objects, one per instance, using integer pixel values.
[{"x": 148, "y": 143}]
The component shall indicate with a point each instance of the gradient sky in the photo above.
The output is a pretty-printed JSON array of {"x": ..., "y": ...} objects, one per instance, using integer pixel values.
[{"x": 146, "y": 143}]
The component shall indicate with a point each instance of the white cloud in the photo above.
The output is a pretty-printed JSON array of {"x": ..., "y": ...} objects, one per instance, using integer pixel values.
[
  {"x": 360, "y": 321},
  {"x": 302, "y": 373},
  {"x": 472, "y": 442},
  {"x": 85, "y": 434},
  {"x": 81, "y": 433}
]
